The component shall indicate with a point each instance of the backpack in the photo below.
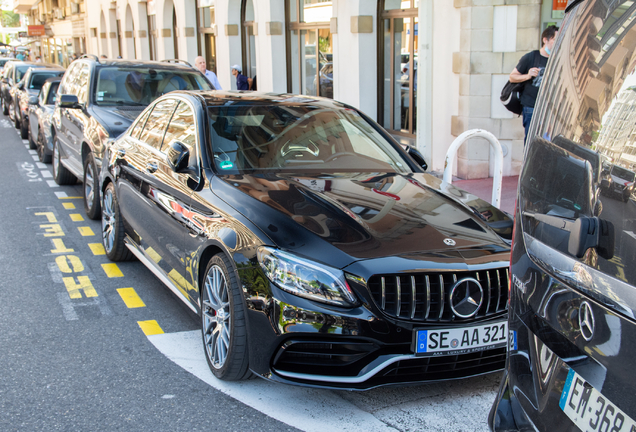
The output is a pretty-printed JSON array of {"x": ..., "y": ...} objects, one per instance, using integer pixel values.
[
  {"x": 511, "y": 93},
  {"x": 510, "y": 97}
]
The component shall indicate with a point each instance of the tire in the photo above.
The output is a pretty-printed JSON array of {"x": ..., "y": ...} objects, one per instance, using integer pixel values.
[
  {"x": 5, "y": 108},
  {"x": 224, "y": 330},
  {"x": 24, "y": 133},
  {"x": 40, "y": 147},
  {"x": 61, "y": 175},
  {"x": 16, "y": 122},
  {"x": 113, "y": 232},
  {"x": 92, "y": 205}
]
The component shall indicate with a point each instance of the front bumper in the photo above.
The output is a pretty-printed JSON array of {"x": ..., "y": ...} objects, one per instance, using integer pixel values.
[{"x": 298, "y": 341}]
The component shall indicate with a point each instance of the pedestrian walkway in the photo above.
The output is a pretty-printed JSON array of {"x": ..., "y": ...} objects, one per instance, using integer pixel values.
[{"x": 483, "y": 189}]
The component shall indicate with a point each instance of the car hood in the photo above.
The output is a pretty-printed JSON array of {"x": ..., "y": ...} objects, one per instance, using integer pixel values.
[
  {"x": 116, "y": 119},
  {"x": 365, "y": 216}
]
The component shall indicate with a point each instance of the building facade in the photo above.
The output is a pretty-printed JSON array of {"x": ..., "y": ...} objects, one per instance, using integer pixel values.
[{"x": 427, "y": 70}]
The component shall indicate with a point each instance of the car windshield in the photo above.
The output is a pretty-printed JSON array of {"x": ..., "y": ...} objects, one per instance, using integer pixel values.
[
  {"x": 20, "y": 71},
  {"x": 623, "y": 173},
  {"x": 287, "y": 138},
  {"x": 37, "y": 79},
  {"x": 141, "y": 86}
]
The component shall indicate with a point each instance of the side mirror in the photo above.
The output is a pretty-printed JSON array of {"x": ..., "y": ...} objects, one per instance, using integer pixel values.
[
  {"x": 592, "y": 233},
  {"x": 33, "y": 100},
  {"x": 178, "y": 156},
  {"x": 69, "y": 101},
  {"x": 417, "y": 157}
]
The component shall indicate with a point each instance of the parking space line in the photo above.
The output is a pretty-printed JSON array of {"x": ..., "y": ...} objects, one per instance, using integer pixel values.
[
  {"x": 69, "y": 206},
  {"x": 76, "y": 217},
  {"x": 86, "y": 231},
  {"x": 36, "y": 158},
  {"x": 63, "y": 195},
  {"x": 33, "y": 152},
  {"x": 41, "y": 165},
  {"x": 150, "y": 327},
  {"x": 52, "y": 183},
  {"x": 97, "y": 248},
  {"x": 46, "y": 174},
  {"x": 112, "y": 270},
  {"x": 131, "y": 298}
]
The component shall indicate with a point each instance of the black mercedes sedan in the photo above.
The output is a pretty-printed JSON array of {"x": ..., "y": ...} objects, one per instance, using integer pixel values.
[{"x": 314, "y": 248}]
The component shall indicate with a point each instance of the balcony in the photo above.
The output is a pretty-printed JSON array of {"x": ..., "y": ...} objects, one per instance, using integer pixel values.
[{"x": 23, "y": 6}]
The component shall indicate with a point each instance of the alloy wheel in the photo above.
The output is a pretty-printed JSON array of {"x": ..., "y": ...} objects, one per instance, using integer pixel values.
[
  {"x": 108, "y": 220},
  {"x": 89, "y": 185},
  {"x": 216, "y": 317}
]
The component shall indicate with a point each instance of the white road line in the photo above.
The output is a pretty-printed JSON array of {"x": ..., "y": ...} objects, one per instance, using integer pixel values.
[
  {"x": 25, "y": 141},
  {"x": 52, "y": 184},
  {"x": 46, "y": 174},
  {"x": 33, "y": 152},
  {"x": 630, "y": 233},
  {"x": 303, "y": 408},
  {"x": 61, "y": 194},
  {"x": 41, "y": 165},
  {"x": 35, "y": 157}
]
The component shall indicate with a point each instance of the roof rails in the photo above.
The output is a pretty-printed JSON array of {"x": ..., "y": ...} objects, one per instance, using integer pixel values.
[
  {"x": 91, "y": 56},
  {"x": 176, "y": 61}
]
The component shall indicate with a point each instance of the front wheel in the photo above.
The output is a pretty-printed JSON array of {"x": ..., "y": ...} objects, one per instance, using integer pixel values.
[
  {"x": 24, "y": 133},
  {"x": 92, "y": 206},
  {"x": 40, "y": 146},
  {"x": 113, "y": 232},
  {"x": 61, "y": 175},
  {"x": 5, "y": 108},
  {"x": 223, "y": 322}
]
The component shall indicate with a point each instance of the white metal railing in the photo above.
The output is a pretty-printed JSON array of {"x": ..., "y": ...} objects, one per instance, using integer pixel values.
[{"x": 494, "y": 144}]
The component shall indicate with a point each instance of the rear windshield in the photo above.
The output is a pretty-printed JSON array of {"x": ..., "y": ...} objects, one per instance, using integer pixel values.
[
  {"x": 37, "y": 79},
  {"x": 291, "y": 138},
  {"x": 623, "y": 173},
  {"x": 141, "y": 86}
]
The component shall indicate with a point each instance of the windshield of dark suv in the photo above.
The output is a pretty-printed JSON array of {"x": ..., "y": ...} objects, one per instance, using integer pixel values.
[
  {"x": 623, "y": 173},
  {"x": 38, "y": 78},
  {"x": 288, "y": 138},
  {"x": 141, "y": 86},
  {"x": 20, "y": 71}
]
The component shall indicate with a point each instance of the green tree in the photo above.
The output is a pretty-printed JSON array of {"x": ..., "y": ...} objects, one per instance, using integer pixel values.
[{"x": 10, "y": 19}]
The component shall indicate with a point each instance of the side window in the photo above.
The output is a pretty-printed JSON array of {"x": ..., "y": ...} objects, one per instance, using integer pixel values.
[
  {"x": 182, "y": 128},
  {"x": 66, "y": 85},
  {"x": 52, "y": 96},
  {"x": 136, "y": 130},
  {"x": 157, "y": 122},
  {"x": 82, "y": 84}
]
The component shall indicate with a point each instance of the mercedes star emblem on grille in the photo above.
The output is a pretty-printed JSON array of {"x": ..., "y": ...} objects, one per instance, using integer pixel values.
[
  {"x": 449, "y": 242},
  {"x": 586, "y": 321},
  {"x": 466, "y": 297}
]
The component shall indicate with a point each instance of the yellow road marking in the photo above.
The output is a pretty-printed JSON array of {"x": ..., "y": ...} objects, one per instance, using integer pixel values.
[
  {"x": 59, "y": 247},
  {"x": 85, "y": 231},
  {"x": 52, "y": 230},
  {"x": 67, "y": 197},
  {"x": 150, "y": 327},
  {"x": 49, "y": 216},
  {"x": 97, "y": 248},
  {"x": 63, "y": 261},
  {"x": 83, "y": 284},
  {"x": 76, "y": 217},
  {"x": 112, "y": 270},
  {"x": 69, "y": 206},
  {"x": 130, "y": 297}
]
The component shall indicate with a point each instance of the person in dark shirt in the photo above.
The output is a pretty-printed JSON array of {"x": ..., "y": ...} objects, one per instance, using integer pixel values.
[
  {"x": 241, "y": 80},
  {"x": 530, "y": 70}
]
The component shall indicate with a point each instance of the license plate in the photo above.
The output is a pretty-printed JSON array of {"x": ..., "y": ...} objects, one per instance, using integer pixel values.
[
  {"x": 461, "y": 340},
  {"x": 590, "y": 410}
]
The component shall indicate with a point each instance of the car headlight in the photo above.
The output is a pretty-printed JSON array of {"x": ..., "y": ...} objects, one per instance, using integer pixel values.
[{"x": 305, "y": 278}]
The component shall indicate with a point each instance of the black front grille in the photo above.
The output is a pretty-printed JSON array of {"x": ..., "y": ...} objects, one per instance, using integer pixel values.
[{"x": 424, "y": 297}]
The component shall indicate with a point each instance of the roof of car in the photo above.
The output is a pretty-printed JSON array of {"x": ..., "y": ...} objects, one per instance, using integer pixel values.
[
  {"x": 218, "y": 97},
  {"x": 48, "y": 68},
  {"x": 137, "y": 63}
]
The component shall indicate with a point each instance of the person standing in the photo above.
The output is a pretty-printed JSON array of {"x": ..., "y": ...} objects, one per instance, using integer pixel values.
[
  {"x": 199, "y": 63},
  {"x": 530, "y": 71},
  {"x": 20, "y": 56},
  {"x": 241, "y": 80}
]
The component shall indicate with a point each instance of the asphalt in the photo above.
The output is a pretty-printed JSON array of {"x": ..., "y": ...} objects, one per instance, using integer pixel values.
[{"x": 483, "y": 189}]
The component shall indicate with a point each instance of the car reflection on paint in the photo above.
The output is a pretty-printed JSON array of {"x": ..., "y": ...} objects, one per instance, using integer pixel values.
[{"x": 314, "y": 248}]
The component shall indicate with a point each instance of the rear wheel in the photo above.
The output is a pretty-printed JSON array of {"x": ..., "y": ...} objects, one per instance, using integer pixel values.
[
  {"x": 92, "y": 205},
  {"x": 223, "y": 322},
  {"x": 5, "y": 108},
  {"x": 61, "y": 175},
  {"x": 113, "y": 232},
  {"x": 40, "y": 147},
  {"x": 24, "y": 133},
  {"x": 16, "y": 120}
]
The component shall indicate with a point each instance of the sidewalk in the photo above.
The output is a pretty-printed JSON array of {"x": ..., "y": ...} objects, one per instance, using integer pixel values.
[{"x": 483, "y": 189}]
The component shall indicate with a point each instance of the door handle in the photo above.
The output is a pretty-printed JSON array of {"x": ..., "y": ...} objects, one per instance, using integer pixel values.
[{"x": 151, "y": 167}]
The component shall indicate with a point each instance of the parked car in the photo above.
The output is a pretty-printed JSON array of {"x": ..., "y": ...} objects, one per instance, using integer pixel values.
[
  {"x": 12, "y": 74},
  {"x": 315, "y": 249},
  {"x": 41, "y": 109},
  {"x": 572, "y": 305},
  {"x": 619, "y": 183},
  {"x": 97, "y": 101},
  {"x": 28, "y": 86},
  {"x": 4, "y": 61}
]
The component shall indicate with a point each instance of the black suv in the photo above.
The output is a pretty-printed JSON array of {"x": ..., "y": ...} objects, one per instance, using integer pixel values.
[
  {"x": 13, "y": 73},
  {"x": 30, "y": 85},
  {"x": 97, "y": 101},
  {"x": 572, "y": 313}
]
